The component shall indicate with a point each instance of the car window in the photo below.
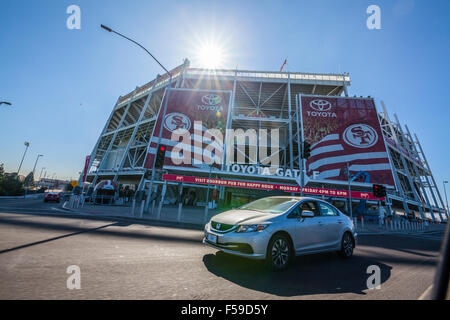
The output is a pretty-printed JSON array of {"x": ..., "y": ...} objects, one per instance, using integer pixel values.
[
  {"x": 309, "y": 206},
  {"x": 271, "y": 205},
  {"x": 327, "y": 210}
]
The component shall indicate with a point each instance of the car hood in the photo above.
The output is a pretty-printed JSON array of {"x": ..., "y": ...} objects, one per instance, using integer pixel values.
[{"x": 235, "y": 217}]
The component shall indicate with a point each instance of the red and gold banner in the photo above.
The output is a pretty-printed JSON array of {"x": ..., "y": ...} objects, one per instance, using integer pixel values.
[
  {"x": 344, "y": 132},
  {"x": 184, "y": 108}
]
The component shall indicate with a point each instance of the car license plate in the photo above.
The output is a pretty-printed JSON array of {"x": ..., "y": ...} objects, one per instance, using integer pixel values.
[{"x": 211, "y": 238}]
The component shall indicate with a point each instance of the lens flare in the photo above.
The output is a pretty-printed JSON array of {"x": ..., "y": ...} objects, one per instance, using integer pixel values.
[{"x": 210, "y": 56}]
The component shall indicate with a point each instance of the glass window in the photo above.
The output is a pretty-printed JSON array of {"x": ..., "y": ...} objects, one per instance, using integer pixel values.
[
  {"x": 270, "y": 205},
  {"x": 327, "y": 210},
  {"x": 309, "y": 206}
]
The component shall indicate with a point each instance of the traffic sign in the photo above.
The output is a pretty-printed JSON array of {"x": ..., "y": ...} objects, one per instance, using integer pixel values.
[{"x": 74, "y": 183}]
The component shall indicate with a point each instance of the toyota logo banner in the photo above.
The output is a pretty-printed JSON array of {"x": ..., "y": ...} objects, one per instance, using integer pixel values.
[
  {"x": 195, "y": 112},
  {"x": 344, "y": 130}
]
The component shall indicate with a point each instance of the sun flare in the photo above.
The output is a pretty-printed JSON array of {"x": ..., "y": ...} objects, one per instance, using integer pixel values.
[{"x": 210, "y": 56}]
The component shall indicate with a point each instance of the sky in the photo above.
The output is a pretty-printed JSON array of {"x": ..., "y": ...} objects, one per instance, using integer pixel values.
[{"x": 64, "y": 83}]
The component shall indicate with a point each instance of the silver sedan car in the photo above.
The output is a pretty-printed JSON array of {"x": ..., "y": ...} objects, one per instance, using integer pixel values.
[{"x": 276, "y": 229}]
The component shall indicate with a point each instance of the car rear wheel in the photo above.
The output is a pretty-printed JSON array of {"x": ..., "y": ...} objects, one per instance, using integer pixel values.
[
  {"x": 346, "y": 245},
  {"x": 279, "y": 253}
]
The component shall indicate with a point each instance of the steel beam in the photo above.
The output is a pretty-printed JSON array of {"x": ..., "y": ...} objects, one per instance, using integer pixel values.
[
  {"x": 405, "y": 165},
  {"x": 427, "y": 165},
  {"x": 111, "y": 143},
  {"x": 396, "y": 178},
  {"x": 137, "y": 124},
  {"x": 94, "y": 151}
]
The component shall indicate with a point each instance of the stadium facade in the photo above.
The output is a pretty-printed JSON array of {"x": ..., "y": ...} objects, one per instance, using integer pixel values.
[{"x": 258, "y": 100}]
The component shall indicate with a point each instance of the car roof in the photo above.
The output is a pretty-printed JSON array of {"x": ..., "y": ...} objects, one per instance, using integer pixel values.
[{"x": 293, "y": 197}]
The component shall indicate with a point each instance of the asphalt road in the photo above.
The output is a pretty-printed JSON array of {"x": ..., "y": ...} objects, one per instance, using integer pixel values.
[{"x": 131, "y": 261}]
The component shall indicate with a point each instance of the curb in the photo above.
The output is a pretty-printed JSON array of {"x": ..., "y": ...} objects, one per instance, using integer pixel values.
[
  {"x": 383, "y": 233},
  {"x": 144, "y": 221}
]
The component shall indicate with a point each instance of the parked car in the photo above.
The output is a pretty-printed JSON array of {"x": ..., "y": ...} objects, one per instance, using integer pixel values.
[
  {"x": 52, "y": 196},
  {"x": 276, "y": 229}
]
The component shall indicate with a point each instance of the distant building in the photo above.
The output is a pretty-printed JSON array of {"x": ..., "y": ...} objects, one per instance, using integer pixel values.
[{"x": 52, "y": 184}]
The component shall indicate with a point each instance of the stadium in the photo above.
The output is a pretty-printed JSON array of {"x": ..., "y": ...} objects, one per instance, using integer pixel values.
[{"x": 266, "y": 100}]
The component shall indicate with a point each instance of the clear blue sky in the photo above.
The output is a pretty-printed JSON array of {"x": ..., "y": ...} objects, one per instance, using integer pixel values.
[{"x": 63, "y": 83}]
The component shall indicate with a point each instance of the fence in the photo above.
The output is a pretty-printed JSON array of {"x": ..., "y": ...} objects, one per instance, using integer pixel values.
[{"x": 390, "y": 226}]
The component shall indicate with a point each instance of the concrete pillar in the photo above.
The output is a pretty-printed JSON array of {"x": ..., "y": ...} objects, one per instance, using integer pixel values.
[
  {"x": 163, "y": 194},
  {"x": 133, "y": 206},
  {"x": 141, "y": 211},
  {"x": 180, "y": 204}
]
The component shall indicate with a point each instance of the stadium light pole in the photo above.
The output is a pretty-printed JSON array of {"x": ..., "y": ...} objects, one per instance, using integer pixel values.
[
  {"x": 32, "y": 176},
  {"x": 147, "y": 202},
  {"x": 27, "y": 144},
  {"x": 35, "y": 163},
  {"x": 42, "y": 170},
  {"x": 445, "y": 191}
]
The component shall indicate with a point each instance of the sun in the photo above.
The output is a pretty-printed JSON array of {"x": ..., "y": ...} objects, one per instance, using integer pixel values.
[{"x": 210, "y": 56}]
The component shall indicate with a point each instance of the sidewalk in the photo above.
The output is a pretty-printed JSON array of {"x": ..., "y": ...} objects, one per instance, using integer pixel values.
[
  {"x": 400, "y": 227},
  {"x": 189, "y": 215}
]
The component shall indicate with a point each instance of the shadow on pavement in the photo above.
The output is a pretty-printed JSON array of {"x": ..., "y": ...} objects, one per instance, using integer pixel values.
[
  {"x": 416, "y": 246},
  {"x": 102, "y": 230},
  {"x": 308, "y": 275},
  {"x": 55, "y": 238}
]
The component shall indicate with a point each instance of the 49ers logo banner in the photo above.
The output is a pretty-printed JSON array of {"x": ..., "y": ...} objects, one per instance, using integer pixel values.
[
  {"x": 198, "y": 113},
  {"x": 344, "y": 131}
]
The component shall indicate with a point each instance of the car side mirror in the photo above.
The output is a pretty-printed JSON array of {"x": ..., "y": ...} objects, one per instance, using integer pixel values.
[{"x": 307, "y": 214}]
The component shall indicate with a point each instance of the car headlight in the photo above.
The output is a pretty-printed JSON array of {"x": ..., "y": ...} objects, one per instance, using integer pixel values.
[{"x": 251, "y": 228}]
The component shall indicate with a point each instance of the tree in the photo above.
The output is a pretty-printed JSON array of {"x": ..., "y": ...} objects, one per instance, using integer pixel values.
[
  {"x": 10, "y": 185},
  {"x": 2, "y": 170}
]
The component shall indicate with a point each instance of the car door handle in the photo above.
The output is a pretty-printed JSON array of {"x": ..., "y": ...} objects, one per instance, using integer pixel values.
[{"x": 339, "y": 221}]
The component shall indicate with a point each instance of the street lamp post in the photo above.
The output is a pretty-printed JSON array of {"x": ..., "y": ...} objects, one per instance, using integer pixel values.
[
  {"x": 147, "y": 202},
  {"x": 27, "y": 144},
  {"x": 445, "y": 191}
]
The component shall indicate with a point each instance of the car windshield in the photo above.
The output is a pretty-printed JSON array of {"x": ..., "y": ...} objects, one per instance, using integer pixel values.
[{"x": 270, "y": 205}]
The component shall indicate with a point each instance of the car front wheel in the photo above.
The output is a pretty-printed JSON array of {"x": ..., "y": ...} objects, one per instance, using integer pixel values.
[
  {"x": 279, "y": 253},
  {"x": 347, "y": 245}
]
